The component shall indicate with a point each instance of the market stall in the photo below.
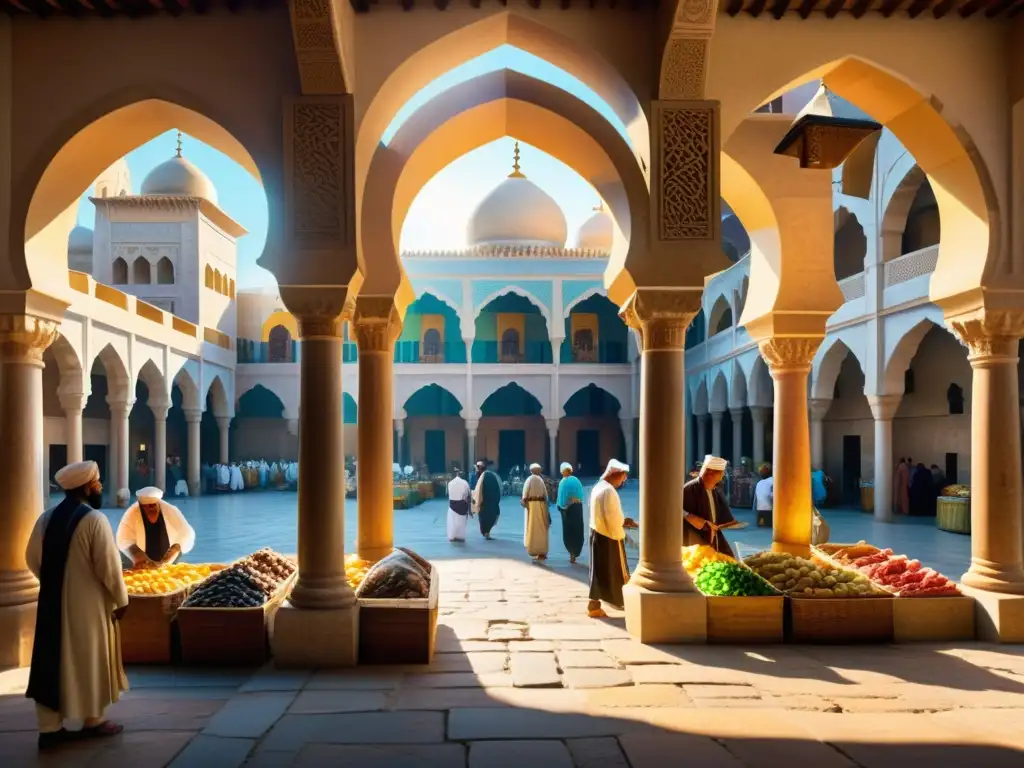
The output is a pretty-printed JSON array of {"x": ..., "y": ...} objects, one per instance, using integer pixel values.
[{"x": 953, "y": 509}]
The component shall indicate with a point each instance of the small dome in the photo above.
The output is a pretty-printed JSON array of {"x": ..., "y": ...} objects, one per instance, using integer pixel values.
[
  {"x": 517, "y": 212},
  {"x": 178, "y": 176},
  {"x": 80, "y": 240},
  {"x": 596, "y": 232}
]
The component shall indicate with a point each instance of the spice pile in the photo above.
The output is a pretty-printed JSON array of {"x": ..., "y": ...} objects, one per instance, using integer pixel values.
[
  {"x": 700, "y": 554},
  {"x": 402, "y": 574},
  {"x": 798, "y": 577},
  {"x": 247, "y": 583},
  {"x": 355, "y": 570},
  {"x": 730, "y": 579},
  {"x": 905, "y": 577},
  {"x": 164, "y": 579}
]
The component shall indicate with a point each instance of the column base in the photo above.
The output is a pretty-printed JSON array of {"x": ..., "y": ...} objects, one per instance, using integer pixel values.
[
  {"x": 997, "y": 617},
  {"x": 372, "y": 554},
  {"x": 17, "y": 631},
  {"x": 306, "y": 638},
  {"x": 665, "y": 617},
  {"x": 791, "y": 548}
]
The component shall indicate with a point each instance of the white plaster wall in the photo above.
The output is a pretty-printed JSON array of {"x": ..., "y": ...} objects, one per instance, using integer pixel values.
[
  {"x": 219, "y": 251},
  {"x": 252, "y": 308}
]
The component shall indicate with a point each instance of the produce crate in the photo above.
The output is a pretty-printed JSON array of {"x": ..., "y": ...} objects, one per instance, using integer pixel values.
[
  {"x": 399, "y": 631},
  {"x": 229, "y": 636},
  {"x": 745, "y": 619},
  {"x": 147, "y": 635},
  {"x": 864, "y": 619},
  {"x": 953, "y": 513},
  {"x": 933, "y": 619}
]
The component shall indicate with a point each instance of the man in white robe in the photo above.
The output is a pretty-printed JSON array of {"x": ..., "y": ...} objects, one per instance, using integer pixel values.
[
  {"x": 538, "y": 518},
  {"x": 608, "y": 569},
  {"x": 76, "y": 657},
  {"x": 458, "y": 507},
  {"x": 153, "y": 532}
]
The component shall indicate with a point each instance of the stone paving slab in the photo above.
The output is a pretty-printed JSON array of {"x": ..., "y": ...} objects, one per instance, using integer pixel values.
[
  {"x": 478, "y": 724},
  {"x": 382, "y": 756},
  {"x": 597, "y": 753},
  {"x": 249, "y": 715},
  {"x": 292, "y": 732},
  {"x": 213, "y": 752},
  {"x": 460, "y": 680},
  {"x": 336, "y": 702},
  {"x": 651, "y": 750},
  {"x": 535, "y": 670},
  {"x": 357, "y": 679},
  {"x": 515, "y": 754},
  {"x": 595, "y": 678},
  {"x": 586, "y": 659}
]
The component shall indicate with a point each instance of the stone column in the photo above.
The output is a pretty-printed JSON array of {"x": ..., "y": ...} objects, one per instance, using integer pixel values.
[
  {"x": 702, "y": 440},
  {"x": 23, "y": 339},
  {"x": 789, "y": 362},
  {"x": 193, "y": 418},
  {"x": 759, "y": 418},
  {"x": 628, "y": 437},
  {"x": 119, "y": 411},
  {"x": 160, "y": 446},
  {"x": 819, "y": 409},
  {"x": 716, "y": 432},
  {"x": 400, "y": 436},
  {"x": 471, "y": 428},
  {"x": 883, "y": 408},
  {"x": 661, "y": 602},
  {"x": 997, "y": 533},
  {"x": 224, "y": 433},
  {"x": 552, "y": 425},
  {"x": 292, "y": 425},
  {"x": 377, "y": 325},
  {"x": 737, "y": 437},
  {"x": 73, "y": 405}
]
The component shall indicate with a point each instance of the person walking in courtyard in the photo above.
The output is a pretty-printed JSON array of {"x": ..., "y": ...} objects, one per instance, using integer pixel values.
[
  {"x": 474, "y": 476},
  {"x": 76, "y": 668},
  {"x": 901, "y": 488},
  {"x": 459, "y": 497},
  {"x": 570, "y": 504},
  {"x": 487, "y": 501},
  {"x": 608, "y": 569},
  {"x": 705, "y": 509},
  {"x": 537, "y": 514}
]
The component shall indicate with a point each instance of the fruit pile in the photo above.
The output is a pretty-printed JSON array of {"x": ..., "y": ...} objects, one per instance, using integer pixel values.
[
  {"x": 247, "y": 583},
  {"x": 962, "y": 491},
  {"x": 700, "y": 554},
  {"x": 724, "y": 579},
  {"x": 907, "y": 578},
  {"x": 355, "y": 570},
  {"x": 798, "y": 577},
  {"x": 165, "y": 579}
]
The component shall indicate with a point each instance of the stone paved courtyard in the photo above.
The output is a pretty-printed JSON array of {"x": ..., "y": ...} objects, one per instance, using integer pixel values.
[{"x": 522, "y": 677}]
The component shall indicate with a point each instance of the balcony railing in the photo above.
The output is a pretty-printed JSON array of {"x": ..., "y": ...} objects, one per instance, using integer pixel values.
[
  {"x": 606, "y": 353},
  {"x": 852, "y": 287},
  {"x": 911, "y": 265}
]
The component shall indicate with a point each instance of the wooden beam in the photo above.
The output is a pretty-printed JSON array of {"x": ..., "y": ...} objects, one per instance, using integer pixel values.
[
  {"x": 40, "y": 8},
  {"x": 756, "y": 8},
  {"x": 997, "y": 8},
  {"x": 1012, "y": 13},
  {"x": 860, "y": 8},
  {"x": 360, "y": 6},
  {"x": 918, "y": 7},
  {"x": 535, "y": 4},
  {"x": 779, "y": 8},
  {"x": 889, "y": 7},
  {"x": 807, "y": 8},
  {"x": 833, "y": 8},
  {"x": 72, "y": 8},
  {"x": 407, "y": 5},
  {"x": 441, "y": 4},
  {"x": 942, "y": 8},
  {"x": 970, "y": 8},
  {"x": 734, "y": 7},
  {"x": 565, "y": 4}
]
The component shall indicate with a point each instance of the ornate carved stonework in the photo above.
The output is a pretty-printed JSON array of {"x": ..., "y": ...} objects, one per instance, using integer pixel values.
[
  {"x": 785, "y": 354},
  {"x": 318, "y": 311},
  {"x": 316, "y": 50},
  {"x": 509, "y": 252},
  {"x": 686, "y": 171},
  {"x": 318, "y": 163},
  {"x": 24, "y": 338},
  {"x": 992, "y": 336},
  {"x": 376, "y": 324},
  {"x": 683, "y": 68},
  {"x": 661, "y": 317}
]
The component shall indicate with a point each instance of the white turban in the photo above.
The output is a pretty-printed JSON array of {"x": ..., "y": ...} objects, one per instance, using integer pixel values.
[
  {"x": 149, "y": 494},
  {"x": 614, "y": 467},
  {"x": 565, "y": 465},
  {"x": 76, "y": 475},
  {"x": 536, "y": 467},
  {"x": 713, "y": 462}
]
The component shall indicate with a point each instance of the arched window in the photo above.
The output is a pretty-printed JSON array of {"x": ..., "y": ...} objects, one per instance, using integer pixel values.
[
  {"x": 432, "y": 344},
  {"x": 583, "y": 346},
  {"x": 209, "y": 276},
  {"x": 955, "y": 397},
  {"x": 218, "y": 281},
  {"x": 510, "y": 344},
  {"x": 280, "y": 345},
  {"x": 231, "y": 288},
  {"x": 120, "y": 272},
  {"x": 165, "y": 272},
  {"x": 141, "y": 273}
]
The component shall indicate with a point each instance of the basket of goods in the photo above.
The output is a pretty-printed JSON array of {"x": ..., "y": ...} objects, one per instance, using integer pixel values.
[
  {"x": 224, "y": 620},
  {"x": 698, "y": 555},
  {"x": 953, "y": 509},
  {"x": 828, "y": 603},
  {"x": 154, "y": 595},
  {"x": 741, "y": 606},
  {"x": 397, "y": 609},
  {"x": 949, "y": 617}
]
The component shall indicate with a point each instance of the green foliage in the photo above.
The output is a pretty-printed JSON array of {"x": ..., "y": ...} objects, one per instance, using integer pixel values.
[{"x": 731, "y": 580}]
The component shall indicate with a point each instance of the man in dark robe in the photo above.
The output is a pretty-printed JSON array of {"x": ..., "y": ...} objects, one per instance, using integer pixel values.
[
  {"x": 486, "y": 500},
  {"x": 705, "y": 509},
  {"x": 922, "y": 493},
  {"x": 76, "y": 655},
  {"x": 608, "y": 569},
  {"x": 475, "y": 474}
]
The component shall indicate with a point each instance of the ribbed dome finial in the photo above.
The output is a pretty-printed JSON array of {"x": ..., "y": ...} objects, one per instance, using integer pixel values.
[
  {"x": 179, "y": 144},
  {"x": 516, "y": 173}
]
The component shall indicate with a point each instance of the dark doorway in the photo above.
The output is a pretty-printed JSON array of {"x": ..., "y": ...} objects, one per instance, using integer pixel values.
[
  {"x": 434, "y": 449},
  {"x": 58, "y": 459},
  {"x": 952, "y": 470},
  {"x": 588, "y": 452},
  {"x": 97, "y": 453},
  {"x": 851, "y": 469},
  {"x": 511, "y": 450}
]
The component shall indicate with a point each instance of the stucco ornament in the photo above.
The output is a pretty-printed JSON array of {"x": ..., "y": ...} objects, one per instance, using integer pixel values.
[
  {"x": 317, "y": 50},
  {"x": 24, "y": 338},
  {"x": 686, "y": 143},
  {"x": 788, "y": 354},
  {"x": 992, "y": 336},
  {"x": 661, "y": 317},
  {"x": 319, "y": 311},
  {"x": 684, "y": 61},
  {"x": 376, "y": 324}
]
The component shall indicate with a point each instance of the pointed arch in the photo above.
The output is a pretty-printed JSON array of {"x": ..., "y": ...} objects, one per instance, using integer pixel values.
[
  {"x": 259, "y": 402},
  {"x": 720, "y": 319},
  {"x": 760, "y": 388},
  {"x": 700, "y": 397},
  {"x": 903, "y": 352},
  {"x": 165, "y": 272},
  {"x": 594, "y": 290},
  {"x": 518, "y": 291},
  {"x": 432, "y": 400},
  {"x": 850, "y": 246},
  {"x": 142, "y": 273},
  {"x": 719, "y": 393},
  {"x": 528, "y": 391},
  {"x": 280, "y": 317},
  {"x": 218, "y": 397},
  {"x": 156, "y": 383},
  {"x": 119, "y": 272},
  {"x": 189, "y": 391},
  {"x": 827, "y": 366},
  {"x": 737, "y": 386},
  {"x": 209, "y": 277}
]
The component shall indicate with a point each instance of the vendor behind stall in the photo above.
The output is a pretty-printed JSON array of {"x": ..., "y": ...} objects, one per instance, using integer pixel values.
[
  {"x": 153, "y": 532},
  {"x": 705, "y": 509}
]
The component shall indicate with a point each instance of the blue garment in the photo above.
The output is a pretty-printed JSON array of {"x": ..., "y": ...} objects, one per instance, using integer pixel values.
[
  {"x": 568, "y": 488},
  {"x": 818, "y": 492}
]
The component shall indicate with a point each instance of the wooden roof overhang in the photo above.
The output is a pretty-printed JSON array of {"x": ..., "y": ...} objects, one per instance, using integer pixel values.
[
  {"x": 133, "y": 9},
  {"x": 992, "y": 9},
  {"x": 365, "y": 6}
]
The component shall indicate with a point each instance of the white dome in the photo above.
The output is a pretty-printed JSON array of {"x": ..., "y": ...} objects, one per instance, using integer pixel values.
[
  {"x": 517, "y": 212},
  {"x": 596, "y": 232},
  {"x": 178, "y": 176},
  {"x": 80, "y": 240}
]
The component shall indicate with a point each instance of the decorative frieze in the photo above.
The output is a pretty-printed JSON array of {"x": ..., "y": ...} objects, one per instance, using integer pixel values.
[
  {"x": 24, "y": 338},
  {"x": 686, "y": 175},
  {"x": 317, "y": 49},
  {"x": 509, "y": 252}
]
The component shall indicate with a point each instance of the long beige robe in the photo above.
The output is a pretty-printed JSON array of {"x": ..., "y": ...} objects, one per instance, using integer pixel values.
[
  {"x": 91, "y": 674},
  {"x": 535, "y": 536}
]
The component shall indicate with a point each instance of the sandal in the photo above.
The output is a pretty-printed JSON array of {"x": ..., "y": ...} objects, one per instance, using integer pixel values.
[
  {"x": 104, "y": 730},
  {"x": 54, "y": 739}
]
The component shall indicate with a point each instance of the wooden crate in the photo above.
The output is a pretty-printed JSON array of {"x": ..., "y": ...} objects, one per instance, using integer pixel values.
[
  {"x": 840, "y": 619},
  {"x": 867, "y": 498},
  {"x": 399, "y": 631},
  {"x": 953, "y": 513},
  {"x": 933, "y": 619},
  {"x": 745, "y": 619},
  {"x": 147, "y": 629},
  {"x": 229, "y": 636}
]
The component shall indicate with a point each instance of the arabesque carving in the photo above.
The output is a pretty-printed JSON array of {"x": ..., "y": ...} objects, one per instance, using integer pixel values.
[
  {"x": 686, "y": 184},
  {"x": 316, "y": 49},
  {"x": 993, "y": 336},
  {"x": 24, "y": 338},
  {"x": 683, "y": 68},
  {"x": 786, "y": 354},
  {"x": 377, "y": 323},
  {"x": 661, "y": 317},
  {"x": 317, "y": 161}
]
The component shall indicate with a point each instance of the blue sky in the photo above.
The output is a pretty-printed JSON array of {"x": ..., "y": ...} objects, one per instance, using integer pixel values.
[{"x": 438, "y": 216}]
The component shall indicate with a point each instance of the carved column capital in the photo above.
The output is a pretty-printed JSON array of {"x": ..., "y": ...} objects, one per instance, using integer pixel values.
[
  {"x": 789, "y": 354},
  {"x": 376, "y": 323},
  {"x": 991, "y": 336},
  {"x": 24, "y": 338},
  {"x": 317, "y": 310},
  {"x": 193, "y": 415},
  {"x": 736, "y": 413},
  {"x": 160, "y": 410},
  {"x": 884, "y": 407},
  {"x": 661, "y": 316},
  {"x": 717, "y": 416}
]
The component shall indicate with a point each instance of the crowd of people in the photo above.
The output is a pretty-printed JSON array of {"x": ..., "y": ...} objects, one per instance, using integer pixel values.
[
  {"x": 916, "y": 488},
  {"x": 248, "y": 475}
]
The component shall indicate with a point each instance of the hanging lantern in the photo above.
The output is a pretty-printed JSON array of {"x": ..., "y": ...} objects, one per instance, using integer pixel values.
[{"x": 821, "y": 139}]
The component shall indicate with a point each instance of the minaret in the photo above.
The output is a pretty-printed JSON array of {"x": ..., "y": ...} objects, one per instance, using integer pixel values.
[
  {"x": 178, "y": 153},
  {"x": 516, "y": 173},
  {"x": 115, "y": 181}
]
